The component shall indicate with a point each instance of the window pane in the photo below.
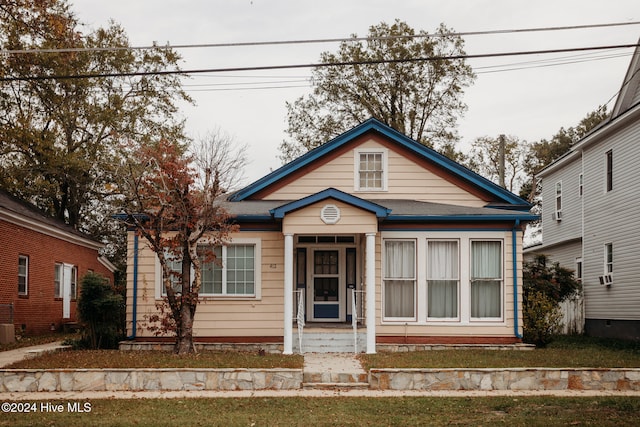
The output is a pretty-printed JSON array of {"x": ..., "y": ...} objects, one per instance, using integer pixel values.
[
  {"x": 399, "y": 298},
  {"x": 486, "y": 260},
  {"x": 443, "y": 298},
  {"x": 240, "y": 269},
  {"x": 442, "y": 260},
  {"x": 400, "y": 259},
  {"x": 485, "y": 298}
]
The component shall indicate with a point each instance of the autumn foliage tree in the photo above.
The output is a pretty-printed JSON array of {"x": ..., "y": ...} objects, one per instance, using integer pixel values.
[
  {"x": 68, "y": 97},
  {"x": 173, "y": 204}
]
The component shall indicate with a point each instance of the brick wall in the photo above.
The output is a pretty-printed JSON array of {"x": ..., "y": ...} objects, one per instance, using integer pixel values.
[{"x": 39, "y": 309}]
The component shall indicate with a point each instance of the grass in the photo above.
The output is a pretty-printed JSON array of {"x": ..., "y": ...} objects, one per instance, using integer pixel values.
[
  {"x": 157, "y": 359},
  {"x": 564, "y": 352},
  {"x": 27, "y": 341},
  {"x": 343, "y": 411}
]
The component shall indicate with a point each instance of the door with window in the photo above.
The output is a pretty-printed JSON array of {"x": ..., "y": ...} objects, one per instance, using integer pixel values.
[{"x": 327, "y": 287}]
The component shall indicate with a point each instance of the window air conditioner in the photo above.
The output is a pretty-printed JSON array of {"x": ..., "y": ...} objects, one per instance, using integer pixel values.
[
  {"x": 606, "y": 280},
  {"x": 557, "y": 216}
]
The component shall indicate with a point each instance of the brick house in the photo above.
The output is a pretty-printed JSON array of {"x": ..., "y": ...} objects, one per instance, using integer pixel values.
[{"x": 42, "y": 262}]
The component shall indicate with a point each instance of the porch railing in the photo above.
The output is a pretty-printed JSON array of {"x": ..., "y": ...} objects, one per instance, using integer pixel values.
[
  {"x": 357, "y": 297},
  {"x": 299, "y": 315}
]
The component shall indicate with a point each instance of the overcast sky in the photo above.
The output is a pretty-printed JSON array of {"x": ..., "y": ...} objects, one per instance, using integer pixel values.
[{"x": 530, "y": 101}]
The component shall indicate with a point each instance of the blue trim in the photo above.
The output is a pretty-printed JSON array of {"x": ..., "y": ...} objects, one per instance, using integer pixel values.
[
  {"x": 402, "y": 140},
  {"x": 384, "y": 229},
  {"x": 457, "y": 218},
  {"x": 514, "y": 231},
  {"x": 135, "y": 288},
  {"x": 281, "y": 211}
]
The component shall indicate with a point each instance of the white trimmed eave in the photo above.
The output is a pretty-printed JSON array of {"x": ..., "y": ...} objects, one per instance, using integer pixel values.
[
  {"x": 618, "y": 123},
  {"x": 47, "y": 229}
]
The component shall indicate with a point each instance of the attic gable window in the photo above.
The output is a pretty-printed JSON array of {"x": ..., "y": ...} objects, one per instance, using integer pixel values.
[{"x": 371, "y": 170}]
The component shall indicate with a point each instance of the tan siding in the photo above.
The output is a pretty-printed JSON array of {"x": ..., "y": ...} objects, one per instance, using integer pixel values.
[
  {"x": 406, "y": 180},
  {"x": 308, "y": 221},
  {"x": 219, "y": 317}
]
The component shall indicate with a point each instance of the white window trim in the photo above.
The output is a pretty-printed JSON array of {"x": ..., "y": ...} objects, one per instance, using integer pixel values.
[
  {"x": 556, "y": 197},
  {"x": 502, "y": 286},
  {"x": 159, "y": 293},
  {"x": 607, "y": 154},
  {"x": 442, "y": 319},
  {"x": 356, "y": 169},
  {"x": 26, "y": 275},
  {"x": 415, "y": 281},
  {"x": 606, "y": 261},
  {"x": 464, "y": 266}
]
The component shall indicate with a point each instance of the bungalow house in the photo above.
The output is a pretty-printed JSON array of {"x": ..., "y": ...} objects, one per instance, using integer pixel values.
[
  {"x": 41, "y": 263},
  {"x": 590, "y": 201},
  {"x": 371, "y": 229}
]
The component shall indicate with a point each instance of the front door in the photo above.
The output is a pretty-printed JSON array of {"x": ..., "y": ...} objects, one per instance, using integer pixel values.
[{"x": 326, "y": 286}]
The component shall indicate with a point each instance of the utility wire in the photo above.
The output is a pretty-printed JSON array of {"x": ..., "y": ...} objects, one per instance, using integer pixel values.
[
  {"x": 315, "y": 41},
  {"x": 319, "y": 65}
]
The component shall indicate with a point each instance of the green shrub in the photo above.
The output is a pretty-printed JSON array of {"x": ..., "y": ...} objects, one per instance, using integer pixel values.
[
  {"x": 545, "y": 285},
  {"x": 542, "y": 319},
  {"x": 99, "y": 309}
]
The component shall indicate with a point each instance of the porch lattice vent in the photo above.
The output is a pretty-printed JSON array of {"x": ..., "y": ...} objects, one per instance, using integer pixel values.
[{"x": 330, "y": 214}]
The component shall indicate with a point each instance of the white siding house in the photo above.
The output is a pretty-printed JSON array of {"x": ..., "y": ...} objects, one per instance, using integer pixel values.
[{"x": 599, "y": 180}]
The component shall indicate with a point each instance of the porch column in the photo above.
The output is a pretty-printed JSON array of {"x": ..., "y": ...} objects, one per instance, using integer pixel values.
[
  {"x": 288, "y": 294},
  {"x": 370, "y": 284}
]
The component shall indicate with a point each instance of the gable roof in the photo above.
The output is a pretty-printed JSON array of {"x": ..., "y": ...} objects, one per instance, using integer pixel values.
[
  {"x": 17, "y": 211},
  {"x": 374, "y": 125}
]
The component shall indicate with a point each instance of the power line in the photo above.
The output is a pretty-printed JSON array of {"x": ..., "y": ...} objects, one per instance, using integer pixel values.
[
  {"x": 302, "y": 66},
  {"x": 316, "y": 41}
]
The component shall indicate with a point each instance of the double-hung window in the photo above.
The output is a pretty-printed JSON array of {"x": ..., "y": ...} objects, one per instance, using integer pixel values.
[
  {"x": 442, "y": 278},
  {"x": 608, "y": 258},
  {"x": 231, "y": 270},
  {"x": 399, "y": 279},
  {"x": 232, "y": 273},
  {"x": 371, "y": 170},
  {"x": 486, "y": 279},
  {"x": 23, "y": 275}
]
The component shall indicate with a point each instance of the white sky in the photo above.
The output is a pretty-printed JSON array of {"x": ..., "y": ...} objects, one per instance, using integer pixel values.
[{"x": 530, "y": 104}]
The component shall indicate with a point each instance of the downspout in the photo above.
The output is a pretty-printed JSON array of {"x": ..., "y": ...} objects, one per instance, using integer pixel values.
[
  {"x": 135, "y": 288},
  {"x": 514, "y": 233}
]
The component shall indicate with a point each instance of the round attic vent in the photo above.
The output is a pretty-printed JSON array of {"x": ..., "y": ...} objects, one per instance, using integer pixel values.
[{"x": 330, "y": 214}]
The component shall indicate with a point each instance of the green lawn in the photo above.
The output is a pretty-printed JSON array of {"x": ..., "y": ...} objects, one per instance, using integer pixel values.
[
  {"x": 564, "y": 352},
  {"x": 344, "y": 411}
]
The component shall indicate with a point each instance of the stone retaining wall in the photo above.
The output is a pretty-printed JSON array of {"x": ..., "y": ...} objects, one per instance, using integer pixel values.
[
  {"x": 21, "y": 380},
  {"x": 538, "y": 379},
  {"x": 505, "y": 379}
]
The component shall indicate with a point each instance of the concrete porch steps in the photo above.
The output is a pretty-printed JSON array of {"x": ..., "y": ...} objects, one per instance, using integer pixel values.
[
  {"x": 335, "y": 371},
  {"x": 329, "y": 341}
]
